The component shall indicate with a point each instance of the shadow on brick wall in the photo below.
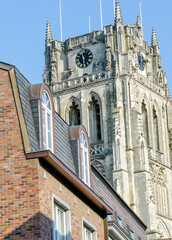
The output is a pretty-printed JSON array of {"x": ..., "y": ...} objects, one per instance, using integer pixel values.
[{"x": 37, "y": 227}]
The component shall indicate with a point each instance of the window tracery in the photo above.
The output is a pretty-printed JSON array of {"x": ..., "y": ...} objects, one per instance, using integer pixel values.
[
  {"x": 159, "y": 183},
  {"x": 74, "y": 113}
]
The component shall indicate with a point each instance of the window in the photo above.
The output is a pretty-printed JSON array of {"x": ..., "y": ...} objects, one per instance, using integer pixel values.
[
  {"x": 145, "y": 122},
  {"x": 89, "y": 231},
  {"x": 74, "y": 114},
  {"x": 119, "y": 221},
  {"x": 132, "y": 234},
  {"x": 84, "y": 159},
  {"x": 156, "y": 133},
  {"x": 88, "y": 234},
  {"x": 47, "y": 122},
  {"x": 61, "y": 220},
  {"x": 95, "y": 120}
]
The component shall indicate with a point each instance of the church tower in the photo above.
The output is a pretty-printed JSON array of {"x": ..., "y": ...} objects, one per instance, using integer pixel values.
[{"x": 112, "y": 82}]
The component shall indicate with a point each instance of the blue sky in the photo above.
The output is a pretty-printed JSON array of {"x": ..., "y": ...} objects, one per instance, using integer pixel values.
[{"x": 23, "y": 28}]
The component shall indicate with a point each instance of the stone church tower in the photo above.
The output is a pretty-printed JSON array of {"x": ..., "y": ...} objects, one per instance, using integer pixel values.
[{"x": 113, "y": 83}]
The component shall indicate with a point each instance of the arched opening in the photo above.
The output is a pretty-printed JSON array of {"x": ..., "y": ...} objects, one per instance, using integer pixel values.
[
  {"x": 156, "y": 131},
  {"x": 145, "y": 122},
  {"x": 74, "y": 114},
  {"x": 95, "y": 120}
]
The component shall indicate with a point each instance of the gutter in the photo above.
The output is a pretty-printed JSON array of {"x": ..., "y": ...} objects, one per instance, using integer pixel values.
[{"x": 87, "y": 192}]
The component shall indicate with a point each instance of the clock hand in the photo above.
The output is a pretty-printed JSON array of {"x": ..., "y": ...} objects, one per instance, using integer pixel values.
[{"x": 83, "y": 58}]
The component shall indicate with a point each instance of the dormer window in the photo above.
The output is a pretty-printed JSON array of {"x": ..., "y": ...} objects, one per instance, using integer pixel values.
[
  {"x": 84, "y": 159},
  {"x": 47, "y": 121},
  {"x": 79, "y": 140}
]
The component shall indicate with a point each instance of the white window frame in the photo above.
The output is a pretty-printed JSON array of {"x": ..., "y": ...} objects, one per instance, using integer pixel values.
[
  {"x": 57, "y": 202},
  {"x": 86, "y": 225},
  {"x": 47, "y": 112},
  {"x": 132, "y": 234},
  {"x": 85, "y": 170},
  {"x": 119, "y": 220}
]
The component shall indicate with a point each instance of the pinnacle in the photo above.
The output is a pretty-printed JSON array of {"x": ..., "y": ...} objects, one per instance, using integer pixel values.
[
  {"x": 118, "y": 15},
  {"x": 49, "y": 37},
  {"x": 138, "y": 21},
  {"x": 154, "y": 38}
]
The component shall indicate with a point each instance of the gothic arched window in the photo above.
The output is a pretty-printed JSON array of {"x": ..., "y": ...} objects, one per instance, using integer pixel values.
[
  {"x": 95, "y": 120},
  {"x": 74, "y": 114},
  {"x": 156, "y": 131},
  {"x": 145, "y": 122},
  {"x": 47, "y": 121}
]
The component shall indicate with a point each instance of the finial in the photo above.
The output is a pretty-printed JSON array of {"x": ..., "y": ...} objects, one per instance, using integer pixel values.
[
  {"x": 139, "y": 22},
  {"x": 118, "y": 15},
  {"x": 49, "y": 37},
  {"x": 154, "y": 38}
]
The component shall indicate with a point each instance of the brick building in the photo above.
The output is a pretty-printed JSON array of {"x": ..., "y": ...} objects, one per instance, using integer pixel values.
[{"x": 48, "y": 189}]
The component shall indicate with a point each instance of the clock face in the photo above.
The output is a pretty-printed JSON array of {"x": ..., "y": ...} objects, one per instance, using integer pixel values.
[
  {"x": 141, "y": 61},
  {"x": 84, "y": 58}
]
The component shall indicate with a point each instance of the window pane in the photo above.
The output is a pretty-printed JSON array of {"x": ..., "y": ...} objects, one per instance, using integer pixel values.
[
  {"x": 44, "y": 129},
  {"x": 88, "y": 233},
  {"x": 48, "y": 122},
  {"x": 82, "y": 164},
  {"x": 44, "y": 98},
  {"x": 61, "y": 221},
  {"x": 86, "y": 167}
]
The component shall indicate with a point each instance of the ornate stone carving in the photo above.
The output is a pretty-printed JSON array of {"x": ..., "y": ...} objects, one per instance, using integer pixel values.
[
  {"x": 53, "y": 73},
  {"x": 96, "y": 149},
  {"x": 45, "y": 75},
  {"x": 150, "y": 194},
  {"x": 99, "y": 166},
  {"x": 117, "y": 129},
  {"x": 108, "y": 59}
]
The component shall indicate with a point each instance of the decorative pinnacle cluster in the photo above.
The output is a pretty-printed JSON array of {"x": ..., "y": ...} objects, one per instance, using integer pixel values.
[
  {"x": 49, "y": 37},
  {"x": 118, "y": 15},
  {"x": 154, "y": 38}
]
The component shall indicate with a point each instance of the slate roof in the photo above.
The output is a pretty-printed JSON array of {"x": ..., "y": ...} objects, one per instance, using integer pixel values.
[{"x": 62, "y": 143}]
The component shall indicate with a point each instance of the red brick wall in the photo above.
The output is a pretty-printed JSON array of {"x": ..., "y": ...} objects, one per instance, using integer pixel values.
[
  {"x": 52, "y": 185},
  {"x": 19, "y": 206}
]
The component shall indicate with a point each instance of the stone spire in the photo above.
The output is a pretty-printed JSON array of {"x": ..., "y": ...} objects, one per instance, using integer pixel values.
[
  {"x": 154, "y": 38},
  {"x": 118, "y": 15},
  {"x": 49, "y": 37}
]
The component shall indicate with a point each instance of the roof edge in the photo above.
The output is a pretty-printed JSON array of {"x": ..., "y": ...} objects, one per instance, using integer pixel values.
[
  {"x": 74, "y": 180},
  {"x": 132, "y": 212}
]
